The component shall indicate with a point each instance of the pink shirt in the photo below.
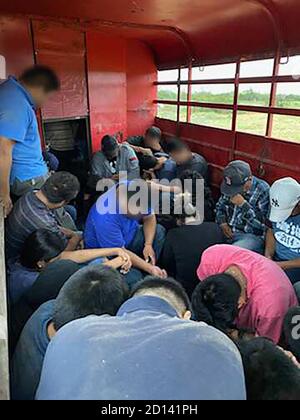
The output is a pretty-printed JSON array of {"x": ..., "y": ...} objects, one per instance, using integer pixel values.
[{"x": 270, "y": 292}]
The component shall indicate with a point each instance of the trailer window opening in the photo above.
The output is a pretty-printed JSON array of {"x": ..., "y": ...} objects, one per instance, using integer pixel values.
[{"x": 259, "y": 97}]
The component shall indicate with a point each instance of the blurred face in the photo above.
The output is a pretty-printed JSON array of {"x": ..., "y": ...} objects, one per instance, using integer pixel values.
[
  {"x": 40, "y": 96},
  {"x": 181, "y": 156},
  {"x": 153, "y": 143},
  {"x": 112, "y": 155}
]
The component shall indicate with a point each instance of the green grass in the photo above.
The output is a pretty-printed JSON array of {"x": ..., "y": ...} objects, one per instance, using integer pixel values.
[{"x": 284, "y": 127}]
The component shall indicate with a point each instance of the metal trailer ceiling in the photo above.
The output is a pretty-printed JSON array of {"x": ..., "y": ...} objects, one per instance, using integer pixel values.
[{"x": 177, "y": 31}]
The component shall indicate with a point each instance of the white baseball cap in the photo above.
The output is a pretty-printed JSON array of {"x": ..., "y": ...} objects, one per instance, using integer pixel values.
[{"x": 284, "y": 197}]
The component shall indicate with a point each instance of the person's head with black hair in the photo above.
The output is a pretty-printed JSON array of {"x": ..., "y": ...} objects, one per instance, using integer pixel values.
[
  {"x": 153, "y": 138},
  {"x": 167, "y": 289},
  {"x": 40, "y": 82},
  {"x": 94, "y": 290},
  {"x": 59, "y": 190},
  {"x": 134, "y": 198},
  {"x": 270, "y": 373},
  {"x": 216, "y": 302},
  {"x": 291, "y": 329},
  {"x": 179, "y": 151},
  {"x": 110, "y": 147},
  {"x": 40, "y": 248},
  {"x": 148, "y": 163}
]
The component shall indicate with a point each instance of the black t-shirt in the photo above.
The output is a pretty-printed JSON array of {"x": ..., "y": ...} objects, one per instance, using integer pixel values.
[{"x": 183, "y": 250}]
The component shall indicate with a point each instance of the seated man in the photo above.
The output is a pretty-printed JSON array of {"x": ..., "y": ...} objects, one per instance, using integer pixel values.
[
  {"x": 94, "y": 290},
  {"x": 45, "y": 288},
  {"x": 42, "y": 248},
  {"x": 283, "y": 239},
  {"x": 113, "y": 159},
  {"x": 270, "y": 373},
  {"x": 149, "y": 351},
  {"x": 243, "y": 207},
  {"x": 150, "y": 144},
  {"x": 187, "y": 160},
  {"x": 36, "y": 210},
  {"x": 114, "y": 222},
  {"x": 242, "y": 289}
]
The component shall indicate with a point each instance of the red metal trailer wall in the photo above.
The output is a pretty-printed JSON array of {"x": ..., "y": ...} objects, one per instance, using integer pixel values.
[
  {"x": 121, "y": 76},
  {"x": 106, "y": 59},
  {"x": 141, "y": 75},
  {"x": 63, "y": 49},
  {"x": 16, "y": 44},
  {"x": 110, "y": 78}
]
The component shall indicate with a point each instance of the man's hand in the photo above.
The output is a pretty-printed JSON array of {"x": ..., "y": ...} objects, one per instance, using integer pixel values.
[
  {"x": 238, "y": 200},
  {"x": 149, "y": 254},
  {"x": 145, "y": 152},
  {"x": 7, "y": 205},
  {"x": 227, "y": 230},
  {"x": 126, "y": 258},
  {"x": 158, "y": 272}
]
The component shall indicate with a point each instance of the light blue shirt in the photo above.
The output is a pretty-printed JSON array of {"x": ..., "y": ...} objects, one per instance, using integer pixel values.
[
  {"x": 144, "y": 353},
  {"x": 18, "y": 122}
]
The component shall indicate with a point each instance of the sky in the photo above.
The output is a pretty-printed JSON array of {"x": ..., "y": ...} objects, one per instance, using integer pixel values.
[{"x": 248, "y": 69}]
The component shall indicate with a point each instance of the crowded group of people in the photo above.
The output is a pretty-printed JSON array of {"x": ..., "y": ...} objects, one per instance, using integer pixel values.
[{"x": 135, "y": 303}]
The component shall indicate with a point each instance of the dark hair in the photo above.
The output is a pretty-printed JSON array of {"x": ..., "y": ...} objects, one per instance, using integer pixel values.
[
  {"x": 171, "y": 286},
  {"x": 41, "y": 245},
  {"x": 215, "y": 301},
  {"x": 134, "y": 187},
  {"x": 61, "y": 186},
  {"x": 270, "y": 374},
  {"x": 94, "y": 290},
  {"x": 41, "y": 76},
  {"x": 176, "y": 145},
  {"x": 154, "y": 133},
  {"x": 147, "y": 162},
  {"x": 108, "y": 145},
  {"x": 288, "y": 326}
]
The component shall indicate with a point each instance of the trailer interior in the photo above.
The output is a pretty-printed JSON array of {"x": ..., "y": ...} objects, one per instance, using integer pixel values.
[{"x": 186, "y": 66}]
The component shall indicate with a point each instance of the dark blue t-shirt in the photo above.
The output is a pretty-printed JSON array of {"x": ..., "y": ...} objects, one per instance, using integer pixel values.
[
  {"x": 287, "y": 235},
  {"x": 29, "y": 355},
  {"x": 107, "y": 227}
]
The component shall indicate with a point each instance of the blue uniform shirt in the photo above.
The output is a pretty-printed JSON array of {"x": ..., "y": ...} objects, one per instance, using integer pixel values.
[
  {"x": 18, "y": 122},
  {"x": 144, "y": 353},
  {"x": 287, "y": 235}
]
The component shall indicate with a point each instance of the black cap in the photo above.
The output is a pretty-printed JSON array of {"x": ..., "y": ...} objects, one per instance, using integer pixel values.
[{"x": 236, "y": 174}]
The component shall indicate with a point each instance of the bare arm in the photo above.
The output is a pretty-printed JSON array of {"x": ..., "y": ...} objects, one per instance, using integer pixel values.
[
  {"x": 270, "y": 244},
  {"x": 142, "y": 265},
  {"x": 6, "y": 148},
  {"x": 86, "y": 255},
  {"x": 149, "y": 233}
]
